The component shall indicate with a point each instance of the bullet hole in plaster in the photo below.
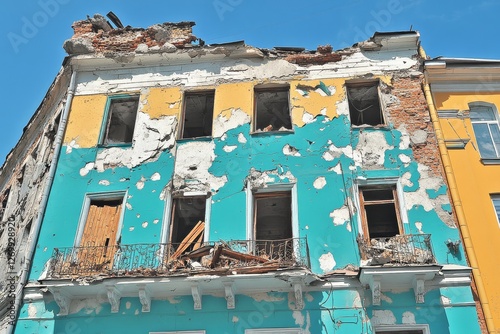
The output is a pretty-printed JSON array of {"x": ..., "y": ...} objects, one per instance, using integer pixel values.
[
  {"x": 408, "y": 318},
  {"x": 145, "y": 224},
  {"x": 138, "y": 215},
  {"x": 128, "y": 206},
  {"x": 445, "y": 300},
  {"x": 320, "y": 182},
  {"x": 45, "y": 249},
  {"x": 140, "y": 184},
  {"x": 104, "y": 183},
  {"x": 193, "y": 167},
  {"x": 88, "y": 167},
  {"x": 308, "y": 118},
  {"x": 131, "y": 228},
  {"x": 383, "y": 317},
  {"x": 128, "y": 305},
  {"x": 327, "y": 262},
  {"x": 235, "y": 319},
  {"x": 337, "y": 169},
  {"x": 241, "y": 138},
  {"x": 418, "y": 225},
  {"x": 156, "y": 221},
  {"x": 229, "y": 148},
  {"x": 155, "y": 177},
  {"x": 307, "y": 227},
  {"x": 290, "y": 150},
  {"x": 124, "y": 179}
]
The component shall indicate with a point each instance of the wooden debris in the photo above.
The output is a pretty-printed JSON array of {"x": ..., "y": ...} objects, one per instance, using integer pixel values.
[{"x": 189, "y": 239}]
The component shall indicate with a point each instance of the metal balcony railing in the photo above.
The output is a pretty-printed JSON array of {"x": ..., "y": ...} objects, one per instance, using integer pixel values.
[
  {"x": 240, "y": 256},
  {"x": 404, "y": 249}
]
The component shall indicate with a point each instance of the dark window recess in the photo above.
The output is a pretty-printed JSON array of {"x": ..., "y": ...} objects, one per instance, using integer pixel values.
[
  {"x": 198, "y": 114},
  {"x": 3, "y": 202},
  {"x": 121, "y": 120},
  {"x": 187, "y": 212},
  {"x": 272, "y": 110},
  {"x": 380, "y": 212},
  {"x": 273, "y": 221},
  {"x": 364, "y": 104}
]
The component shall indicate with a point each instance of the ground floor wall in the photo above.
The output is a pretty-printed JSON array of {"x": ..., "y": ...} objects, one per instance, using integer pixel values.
[{"x": 446, "y": 310}]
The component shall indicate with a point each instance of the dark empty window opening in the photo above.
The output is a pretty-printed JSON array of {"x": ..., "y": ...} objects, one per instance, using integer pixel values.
[
  {"x": 198, "y": 114},
  {"x": 120, "y": 124},
  {"x": 187, "y": 212},
  {"x": 272, "y": 109},
  {"x": 364, "y": 104},
  {"x": 4, "y": 198},
  {"x": 380, "y": 212}
]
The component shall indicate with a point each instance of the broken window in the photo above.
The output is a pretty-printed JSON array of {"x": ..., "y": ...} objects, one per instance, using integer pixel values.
[
  {"x": 272, "y": 109},
  {"x": 198, "y": 114},
  {"x": 120, "y": 123},
  {"x": 273, "y": 222},
  {"x": 364, "y": 103},
  {"x": 380, "y": 211},
  {"x": 485, "y": 125},
  {"x": 188, "y": 221}
]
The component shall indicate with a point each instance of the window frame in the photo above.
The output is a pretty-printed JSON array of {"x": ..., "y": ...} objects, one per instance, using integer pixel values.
[
  {"x": 393, "y": 182},
  {"x": 494, "y": 197},
  {"x": 165, "y": 235},
  {"x": 180, "y": 135},
  {"x": 366, "y": 83},
  {"x": 273, "y": 188},
  {"x": 270, "y": 88},
  {"x": 112, "y": 195},
  {"x": 107, "y": 118},
  {"x": 496, "y": 122},
  {"x": 395, "y": 328}
]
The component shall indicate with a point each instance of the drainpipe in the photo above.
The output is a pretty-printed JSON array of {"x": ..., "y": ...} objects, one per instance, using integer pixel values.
[
  {"x": 45, "y": 196},
  {"x": 462, "y": 221}
]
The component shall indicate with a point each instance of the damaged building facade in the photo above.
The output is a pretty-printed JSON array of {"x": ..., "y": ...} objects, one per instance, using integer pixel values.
[
  {"x": 230, "y": 189},
  {"x": 464, "y": 97}
]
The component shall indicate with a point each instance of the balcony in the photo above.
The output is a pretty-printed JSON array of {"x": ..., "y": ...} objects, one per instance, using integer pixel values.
[
  {"x": 156, "y": 260},
  {"x": 400, "y": 250}
]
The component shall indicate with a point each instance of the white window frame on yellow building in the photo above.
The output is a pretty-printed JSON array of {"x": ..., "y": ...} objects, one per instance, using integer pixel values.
[{"x": 491, "y": 124}]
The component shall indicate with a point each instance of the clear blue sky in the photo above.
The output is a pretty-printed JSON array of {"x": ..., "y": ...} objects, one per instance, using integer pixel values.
[{"x": 32, "y": 58}]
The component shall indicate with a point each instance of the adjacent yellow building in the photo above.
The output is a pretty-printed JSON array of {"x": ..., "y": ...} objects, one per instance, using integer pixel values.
[{"x": 464, "y": 100}]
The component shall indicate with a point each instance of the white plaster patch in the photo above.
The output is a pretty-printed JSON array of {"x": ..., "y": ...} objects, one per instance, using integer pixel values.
[
  {"x": 174, "y": 300},
  {"x": 308, "y": 118},
  {"x": 348, "y": 227},
  {"x": 241, "y": 138},
  {"x": 156, "y": 221},
  {"x": 71, "y": 145},
  {"x": 323, "y": 111},
  {"x": 445, "y": 300},
  {"x": 235, "y": 319},
  {"x": 327, "y": 262},
  {"x": 144, "y": 225},
  {"x": 90, "y": 305},
  {"x": 328, "y": 156},
  {"x": 229, "y": 148},
  {"x": 342, "y": 107},
  {"x": 372, "y": 146},
  {"x": 340, "y": 216},
  {"x": 320, "y": 182},
  {"x": 405, "y": 159},
  {"x": 88, "y": 167},
  {"x": 136, "y": 312},
  {"x": 32, "y": 311},
  {"x": 192, "y": 163},
  {"x": 309, "y": 297},
  {"x": 383, "y": 317},
  {"x": 155, "y": 177},
  {"x": 128, "y": 206},
  {"x": 224, "y": 137},
  {"x": 337, "y": 169},
  {"x": 290, "y": 150},
  {"x": 128, "y": 305},
  {"x": 306, "y": 227},
  {"x": 299, "y": 318},
  {"x": 222, "y": 124},
  {"x": 420, "y": 196},
  {"x": 140, "y": 184},
  {"x": 131, "y": 228},
  {"x": 265, "y": 297},
  {"x": 151, "y": 137},
  {"x": 385, "y": 298},
  {"x": 418, "y": 225},
  {"x": 104, "y": 183},
  {"x": 408, "y": 318}
]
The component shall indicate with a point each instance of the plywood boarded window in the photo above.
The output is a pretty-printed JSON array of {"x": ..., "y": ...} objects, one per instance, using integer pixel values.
[
  {"x": 272, "y": 109},
  {"x": 198, "y": 114},
  {"x": 380, "y": 211},
  {"x": 364, "y": 103},
  {"x": 187, "y": 212},
  {"x": 120, "y": 123},
  {"x": 272, "y": 222}
]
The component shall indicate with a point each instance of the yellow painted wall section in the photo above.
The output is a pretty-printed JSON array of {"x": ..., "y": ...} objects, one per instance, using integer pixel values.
[
  {"x": 476, "y": 182},
  {"x": 233, "y": 96},
  {"x": 159, "y": 102},
  {"x": 85, "y": 120}
]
